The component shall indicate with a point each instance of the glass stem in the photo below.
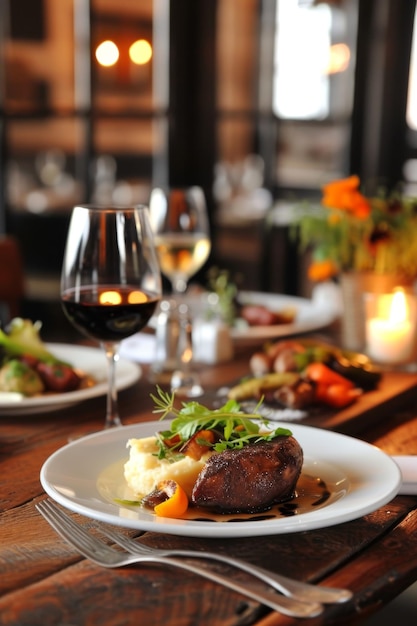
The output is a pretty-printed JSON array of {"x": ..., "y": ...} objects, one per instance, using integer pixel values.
[
  {"x": 179, "y": 286},
  {"x": 185, "y": 348},
  {"x": 112, "y": 411},
  {"x": 186, "y": 339}
]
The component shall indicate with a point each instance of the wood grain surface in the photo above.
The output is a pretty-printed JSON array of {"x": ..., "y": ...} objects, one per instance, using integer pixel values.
[{"x": 44, "y": 582}]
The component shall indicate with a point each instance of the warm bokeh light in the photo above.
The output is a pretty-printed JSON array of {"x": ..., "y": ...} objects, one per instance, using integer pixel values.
[
  {"x": 136, "y": 297},
  {"x": 339, "y": 57},
  {"x": 107, "y": 53},
  {"x": 110, "y": 297},
  {"x": 140, "y": 52}
]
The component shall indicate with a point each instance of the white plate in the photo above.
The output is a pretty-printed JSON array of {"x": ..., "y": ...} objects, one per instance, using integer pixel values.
[
  {"x": 86, "y": 476},
  {"x": 93, "y": 362},
  {"x": 310, "y": 316}
]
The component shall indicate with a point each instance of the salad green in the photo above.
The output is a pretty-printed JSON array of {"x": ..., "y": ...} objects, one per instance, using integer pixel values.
[{"x": 235, "y": 427}]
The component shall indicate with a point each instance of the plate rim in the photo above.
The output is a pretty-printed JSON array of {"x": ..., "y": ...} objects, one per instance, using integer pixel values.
[
  {"x": 339, "y": 510},
  {"x": 70, "y": 398}
]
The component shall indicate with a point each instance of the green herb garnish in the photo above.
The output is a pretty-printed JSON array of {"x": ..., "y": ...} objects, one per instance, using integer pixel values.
[
  {"x": 236, "y": 429},
  {"x": 128, "y": 502}
]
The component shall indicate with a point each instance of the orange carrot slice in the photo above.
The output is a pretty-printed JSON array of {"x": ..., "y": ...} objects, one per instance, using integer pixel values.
[{"x": 177, "y": 502}]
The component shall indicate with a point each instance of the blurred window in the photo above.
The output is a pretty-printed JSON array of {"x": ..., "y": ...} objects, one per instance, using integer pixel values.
[
  {"x": 313, "y": 88},
  {"x": 313, "y": 64},
  {"x": 302, "y": 56},
  {"x": 412, "y": 85}
]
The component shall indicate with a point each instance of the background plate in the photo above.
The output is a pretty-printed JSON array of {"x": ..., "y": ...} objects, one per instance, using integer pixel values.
[
  {"x": 93, "y": 362},
  {"x": 310, "y": 316}
]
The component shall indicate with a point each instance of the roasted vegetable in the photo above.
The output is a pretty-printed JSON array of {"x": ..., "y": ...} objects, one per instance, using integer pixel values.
[
  {"x": 300, "y": 395},
  {"x": 318, "y": 373},
  {"x": 23, "y": 338},
  {"x": 337, "y": 395},
  {"x": 58, "y": 377},
  {"x": 199, "y": 444},
  {"x": 176, "y": 502},
  {"x": 364, "y": 374},
  {"x": 18, "y": 377},
  {"x": 260, "y": 364},
  {"x": 291, "y": 355},
  {"x": 355, "y": 366},
  {"x": 257, "y": 387},
  {"x": 325, "y": 376}
]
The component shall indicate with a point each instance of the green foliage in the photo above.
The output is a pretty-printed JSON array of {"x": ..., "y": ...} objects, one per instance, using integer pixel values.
[
  {"x": 384, "y": 242},
  {"x": 220, "y": 283}
]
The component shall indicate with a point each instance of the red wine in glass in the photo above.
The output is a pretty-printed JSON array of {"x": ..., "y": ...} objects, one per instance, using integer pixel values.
[
  {"x": 107, "y": 313},
  {"x": 110, "y": 280}
]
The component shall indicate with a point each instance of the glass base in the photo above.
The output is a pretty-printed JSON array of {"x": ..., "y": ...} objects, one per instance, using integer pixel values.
[
  {"x": 186, "y": 384},
  {"x": 161, "y": 375}
]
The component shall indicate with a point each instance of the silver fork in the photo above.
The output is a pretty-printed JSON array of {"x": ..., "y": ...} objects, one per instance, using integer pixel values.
[
  {"x": 102, "y": 554},
  {"x": 293, "y": 588}
]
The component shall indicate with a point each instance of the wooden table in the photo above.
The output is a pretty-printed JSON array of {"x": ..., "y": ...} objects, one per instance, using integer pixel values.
[{"x": 43, "y": 581}]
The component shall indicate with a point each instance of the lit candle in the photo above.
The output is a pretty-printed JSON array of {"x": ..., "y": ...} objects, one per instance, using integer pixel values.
[{"x": 390, "y": 335}]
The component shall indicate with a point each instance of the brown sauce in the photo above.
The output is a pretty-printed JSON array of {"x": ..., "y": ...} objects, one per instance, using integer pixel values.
[{"x": 311, "y": 493}]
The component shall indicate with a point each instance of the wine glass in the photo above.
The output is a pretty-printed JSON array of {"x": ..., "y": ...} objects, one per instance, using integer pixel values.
[
  {"x": 182, "y": 239},
  {"x": 110, "y": 281}
]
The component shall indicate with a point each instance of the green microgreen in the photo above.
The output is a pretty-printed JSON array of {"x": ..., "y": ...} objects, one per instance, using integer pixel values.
[
  {"x": 128, "y": 502},
  {"x": 168, "y": 452},
  {"x": 234, "y": 427}
]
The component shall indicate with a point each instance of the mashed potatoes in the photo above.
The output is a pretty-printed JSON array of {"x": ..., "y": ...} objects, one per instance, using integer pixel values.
[{"x": 143, "y": 471}]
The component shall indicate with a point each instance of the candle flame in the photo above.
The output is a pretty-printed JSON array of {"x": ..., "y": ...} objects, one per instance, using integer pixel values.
[{"x": 398, "y": 311}]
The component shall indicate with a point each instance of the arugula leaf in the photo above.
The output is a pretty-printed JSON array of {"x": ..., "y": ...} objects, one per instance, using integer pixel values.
[{"x": 235, "y": 428}]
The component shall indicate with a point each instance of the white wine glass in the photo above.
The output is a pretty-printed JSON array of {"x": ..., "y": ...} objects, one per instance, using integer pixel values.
[
  {"x": 110, "y": 281},
  {"x": 182, "y": 239}
]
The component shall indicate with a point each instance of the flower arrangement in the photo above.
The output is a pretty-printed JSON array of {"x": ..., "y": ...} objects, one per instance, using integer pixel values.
[{"x": 349, "y": 231}]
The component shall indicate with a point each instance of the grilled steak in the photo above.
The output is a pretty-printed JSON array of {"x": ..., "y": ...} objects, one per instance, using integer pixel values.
[{"x": 250, "y": 479}]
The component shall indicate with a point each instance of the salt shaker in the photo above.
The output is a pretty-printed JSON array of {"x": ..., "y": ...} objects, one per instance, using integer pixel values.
[{"x": 212, "y": 342}]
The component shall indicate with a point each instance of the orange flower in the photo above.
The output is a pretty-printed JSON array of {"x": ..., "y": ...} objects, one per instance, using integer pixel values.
[
  {"x": 334, "y": 219},
  {"x": 322, "y": 270},
  {"x": 345, "y": 195},
  {"x": 352, "y": 232}
]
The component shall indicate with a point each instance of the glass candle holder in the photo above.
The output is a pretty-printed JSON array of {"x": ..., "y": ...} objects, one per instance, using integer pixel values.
[{"x": 390, "y": 327}]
